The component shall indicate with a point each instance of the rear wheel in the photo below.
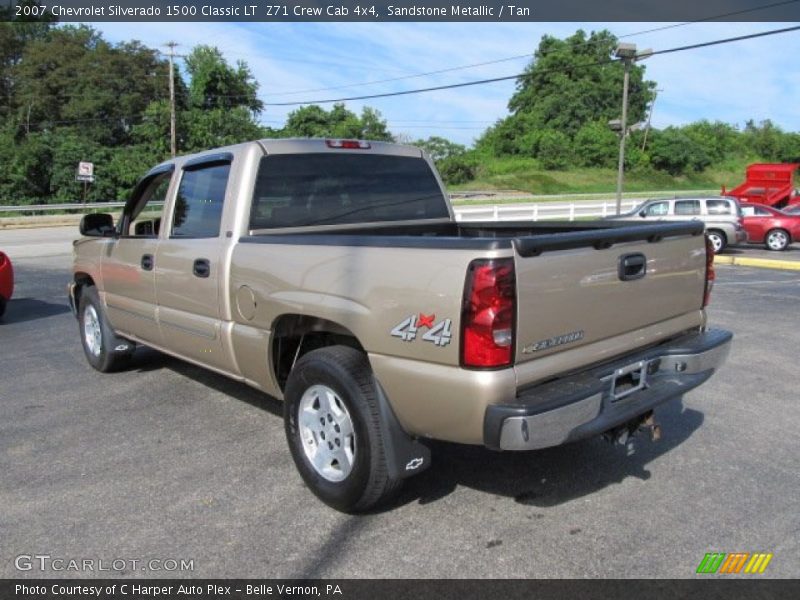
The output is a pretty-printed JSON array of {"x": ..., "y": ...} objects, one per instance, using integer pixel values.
[
  {"x": 718, "y": 240},
  {"x": 332, "y": 422},
  {"x": 2, "y": 306},
  {"x": 776, "y": 239},
  {"x": 104, "y": 349}
]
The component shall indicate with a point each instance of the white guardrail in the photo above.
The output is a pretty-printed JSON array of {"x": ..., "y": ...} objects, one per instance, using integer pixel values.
[
  {"x": 541, "y": 210},
  {"x": 532, "y": 211}
]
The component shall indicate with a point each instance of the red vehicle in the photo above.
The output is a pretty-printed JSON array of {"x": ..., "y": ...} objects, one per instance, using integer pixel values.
[
  {"x": 6, "y": 281},
  {"x": 770, "y": 226},
  {"x": 771, "y": 184}
]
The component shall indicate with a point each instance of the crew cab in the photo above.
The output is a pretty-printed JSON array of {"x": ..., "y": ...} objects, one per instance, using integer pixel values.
[{"x": 332, "y": 275}]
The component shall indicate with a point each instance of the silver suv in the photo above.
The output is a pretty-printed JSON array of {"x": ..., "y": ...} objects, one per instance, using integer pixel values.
[{"x": 722, "y": 216}]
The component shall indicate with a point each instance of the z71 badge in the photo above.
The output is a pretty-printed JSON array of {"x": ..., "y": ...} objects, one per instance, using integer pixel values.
[{"x": 438, "y": 333}]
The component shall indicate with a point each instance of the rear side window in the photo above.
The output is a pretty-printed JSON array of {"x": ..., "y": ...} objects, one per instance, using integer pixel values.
[
  {"x": 718, "y": 207},
  {"x": 296, "y": 190},
  {"x": 198, "y": 206},
  {"x": 687, "y": 207}
]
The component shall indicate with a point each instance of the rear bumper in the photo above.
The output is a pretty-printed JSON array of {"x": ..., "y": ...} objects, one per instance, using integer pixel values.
[{"x": 592, "y": 402}]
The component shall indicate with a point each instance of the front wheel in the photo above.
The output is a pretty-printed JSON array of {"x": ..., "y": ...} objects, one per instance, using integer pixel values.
[
  {"x": 777, "y": 240},
  {"x": 332, "y": 423},
  {"x": 718, "y": 240},
  {"x": 104, "y": 349}
]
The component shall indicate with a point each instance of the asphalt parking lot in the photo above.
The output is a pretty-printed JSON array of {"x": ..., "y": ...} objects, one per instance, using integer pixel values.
[{"x": 168, "y": 461}]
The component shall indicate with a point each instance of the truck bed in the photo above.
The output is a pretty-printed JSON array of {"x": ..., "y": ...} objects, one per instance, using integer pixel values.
[{"x": 528, "y": 239}]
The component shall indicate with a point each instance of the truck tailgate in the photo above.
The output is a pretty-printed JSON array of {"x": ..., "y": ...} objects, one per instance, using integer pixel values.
[{"x": 573, "y": 295}]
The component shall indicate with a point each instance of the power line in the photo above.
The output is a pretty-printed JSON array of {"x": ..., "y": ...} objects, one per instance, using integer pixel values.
[
  {"x": 518, "y": 75},
  {"x": 530, "y": 54}
]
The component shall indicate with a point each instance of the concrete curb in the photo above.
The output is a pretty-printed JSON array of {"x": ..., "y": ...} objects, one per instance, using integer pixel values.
[{"x": 763, "y": 263}]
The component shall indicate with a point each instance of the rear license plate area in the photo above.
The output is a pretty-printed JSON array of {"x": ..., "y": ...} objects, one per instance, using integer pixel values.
[{"x": 630, "y": 379}]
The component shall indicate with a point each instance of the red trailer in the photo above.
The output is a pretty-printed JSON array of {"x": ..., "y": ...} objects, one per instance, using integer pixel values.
[{"x": 770, "y": 184}]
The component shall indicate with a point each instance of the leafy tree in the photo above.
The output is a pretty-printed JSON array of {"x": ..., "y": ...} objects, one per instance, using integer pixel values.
[
  {"x": 339, "y": 122},
  {"x": 439, "y": 148},
  {"x": 573, "y": 82},
  {"x": 718, "y": 140},
  {"x": 596, "y": 145},
  {"x": 217, "y": 85},
  {"x": 458, "y": 168},
  {"x": 675, "y": 152},
  {"x": 555, "y": 150}
]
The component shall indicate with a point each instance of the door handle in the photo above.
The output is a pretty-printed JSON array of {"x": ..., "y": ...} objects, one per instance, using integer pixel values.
[
  {"x": 147, "y": 262},
  {"x": 632, "y": 266},
  {"x": 201, "y": 268}
]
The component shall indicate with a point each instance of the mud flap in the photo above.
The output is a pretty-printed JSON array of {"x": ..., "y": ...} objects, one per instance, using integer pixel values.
[{"x": 405, "y": 455}]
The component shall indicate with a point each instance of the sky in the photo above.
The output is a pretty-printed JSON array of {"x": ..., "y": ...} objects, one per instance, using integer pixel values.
[{"x": 753, "y": 79}]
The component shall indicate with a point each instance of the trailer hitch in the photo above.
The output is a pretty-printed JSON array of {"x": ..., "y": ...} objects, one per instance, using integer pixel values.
[{"x": 622, "y": 434}]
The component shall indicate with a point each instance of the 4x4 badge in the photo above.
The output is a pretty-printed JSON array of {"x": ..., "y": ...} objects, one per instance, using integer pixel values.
[{"x": 438, "y": 333}]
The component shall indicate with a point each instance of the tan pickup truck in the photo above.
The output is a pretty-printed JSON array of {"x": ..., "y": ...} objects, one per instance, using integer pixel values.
[{"x": 332, "y": 274}]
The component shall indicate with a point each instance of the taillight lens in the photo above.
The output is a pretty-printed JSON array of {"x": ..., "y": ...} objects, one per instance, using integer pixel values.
[
  {"x": 710, "y": 275},
  {"x": 487, "y": 320}
]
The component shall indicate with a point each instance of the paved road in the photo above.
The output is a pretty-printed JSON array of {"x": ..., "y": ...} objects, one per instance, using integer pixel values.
[{"x": 167, "y": 461}]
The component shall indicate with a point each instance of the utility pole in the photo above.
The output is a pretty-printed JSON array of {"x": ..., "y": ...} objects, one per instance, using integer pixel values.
[
  {"x": 172, "y": 141},
  {"x": 628, "y": 55}
]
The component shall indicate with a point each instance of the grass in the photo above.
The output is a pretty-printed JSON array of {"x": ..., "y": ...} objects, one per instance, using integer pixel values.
[{"x": 525, "y": 175}]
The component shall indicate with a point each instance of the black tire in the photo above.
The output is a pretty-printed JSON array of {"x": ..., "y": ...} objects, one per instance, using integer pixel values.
[
  {"x": 345, "y": 372},
  {"x": 718, "y": 239},
  {"x": 777, "y": 240},
  {"x": 2, "y": 306},
  {"x": 114, "y": 352}
]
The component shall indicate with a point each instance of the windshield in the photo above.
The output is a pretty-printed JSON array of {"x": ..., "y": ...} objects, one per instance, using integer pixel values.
[{"x": 296, "y": 190}]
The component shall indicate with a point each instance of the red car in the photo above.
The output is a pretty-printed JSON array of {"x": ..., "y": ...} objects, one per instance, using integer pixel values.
[
  {"x": 6, "y": 281},
  {"x": 770, "y": 226}
]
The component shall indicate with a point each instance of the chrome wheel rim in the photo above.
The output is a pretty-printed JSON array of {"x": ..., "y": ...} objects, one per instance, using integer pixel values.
[
  {"x": 716, "y": 242},
  {"x": 92, "y": 334},
  {"x": 776, "y": 240},
  {"x": 326, "y": 432}
]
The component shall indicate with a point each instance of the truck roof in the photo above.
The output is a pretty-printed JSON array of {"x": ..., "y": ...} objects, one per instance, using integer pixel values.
[{"x": 300, "y": 146}]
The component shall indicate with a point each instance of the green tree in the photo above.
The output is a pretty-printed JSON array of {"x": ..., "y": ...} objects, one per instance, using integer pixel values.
[
  {"x": 555, "y": 150},
  {"x": 572, "y": 82},
  {"x": 217, "y": 85},
  {"x": 339, "y": 122},
  {"x": 596, "y": 145},
  {"x": 675, "y": 152},
  {"x": 439, "y": 148}
]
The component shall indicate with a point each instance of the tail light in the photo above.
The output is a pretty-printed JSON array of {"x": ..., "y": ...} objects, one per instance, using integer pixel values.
[
  {"x": 2, "y": 259},
  {"x": 710, "y": 275},
  {"x": 487, "y": 319}
]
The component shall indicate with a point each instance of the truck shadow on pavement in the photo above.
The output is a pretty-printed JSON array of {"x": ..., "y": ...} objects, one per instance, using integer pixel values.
[
  {"x": 541, "y": 478},
  {"x": 552, "y": 476},
  {"x": 21, "y": 310}
]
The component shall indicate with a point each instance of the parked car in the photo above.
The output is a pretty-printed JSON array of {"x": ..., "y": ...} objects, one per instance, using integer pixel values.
[
  {"x": 6, "y": 281},
  {"x": 722, "y": 216},
  {"x": 774, "y": 228}
]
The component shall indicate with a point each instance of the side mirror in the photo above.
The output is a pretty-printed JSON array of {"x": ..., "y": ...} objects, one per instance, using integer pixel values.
[
  {"x": 642, "y": 213},
  {"x": 97, "y": 225}
]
